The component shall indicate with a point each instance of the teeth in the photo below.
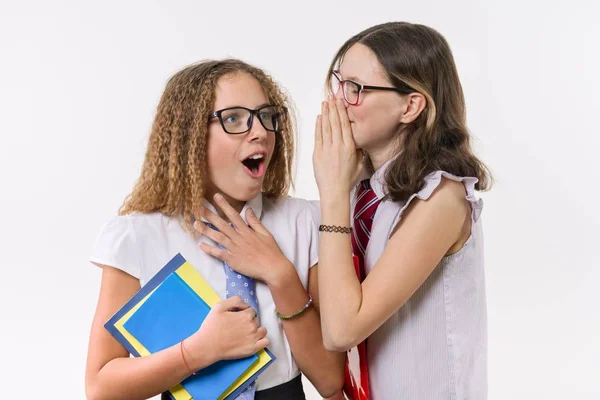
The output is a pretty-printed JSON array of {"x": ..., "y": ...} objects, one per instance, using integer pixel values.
[{"x": 256, "y": 157}]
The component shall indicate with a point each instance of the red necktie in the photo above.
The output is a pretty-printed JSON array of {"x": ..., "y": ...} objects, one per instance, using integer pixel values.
[{"x": 356, "y": 384}]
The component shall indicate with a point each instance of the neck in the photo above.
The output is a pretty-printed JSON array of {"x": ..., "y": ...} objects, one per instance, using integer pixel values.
[
  {"x": 383, "y": 151},
  {"x": 379, "y": 157},
  {"x": 236, "y": 204}
]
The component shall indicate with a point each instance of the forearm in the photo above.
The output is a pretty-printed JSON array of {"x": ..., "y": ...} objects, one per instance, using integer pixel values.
[
  {"x": 339, "y": 288},
  {"x": 323, "y": 368},
  {"x": 142, "y": 377}
]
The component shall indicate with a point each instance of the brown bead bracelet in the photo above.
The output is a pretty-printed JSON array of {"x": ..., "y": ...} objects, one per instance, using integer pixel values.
[{"x": 334, "y": 228}]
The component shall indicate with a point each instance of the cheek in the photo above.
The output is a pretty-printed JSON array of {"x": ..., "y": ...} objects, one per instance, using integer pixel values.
[
  {"x": 356, "y": 113},
  {"x": 363, "y": 118},
  {"x": 270, "y": 145},
  {"x": 271, "y": 141},
  {"x": 219, "y": 151},
  {"x": 372, "y": 122},
  {"x": 366, "y": 115}
]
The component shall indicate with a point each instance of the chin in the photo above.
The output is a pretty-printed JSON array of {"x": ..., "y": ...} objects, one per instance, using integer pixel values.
[
  {"x": 356, "y": 136},
  {"x": 244, "y": 193},
  {"x": 358, "y": 142}
]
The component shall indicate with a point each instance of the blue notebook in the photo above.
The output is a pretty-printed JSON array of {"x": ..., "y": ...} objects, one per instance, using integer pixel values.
[{"x": 171, "y": 307}]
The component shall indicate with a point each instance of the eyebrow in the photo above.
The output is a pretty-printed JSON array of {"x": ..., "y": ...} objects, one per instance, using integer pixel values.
[
  {"x": 237, "y": 105},
  {"x": 348, "y": 78},
  {"x": 255, "y": 108}
]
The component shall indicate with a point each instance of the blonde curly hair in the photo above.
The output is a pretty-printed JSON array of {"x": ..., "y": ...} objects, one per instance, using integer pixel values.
[{"x": 174, "y": 172}]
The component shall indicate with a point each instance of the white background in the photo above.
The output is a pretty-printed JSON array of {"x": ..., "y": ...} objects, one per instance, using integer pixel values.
[{"x": 79, "y": 82}]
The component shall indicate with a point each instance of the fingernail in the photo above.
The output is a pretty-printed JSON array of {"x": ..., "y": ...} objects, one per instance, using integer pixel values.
[
  {"x": 251, "y": 211},
  {"x": 218, "y": 196}
]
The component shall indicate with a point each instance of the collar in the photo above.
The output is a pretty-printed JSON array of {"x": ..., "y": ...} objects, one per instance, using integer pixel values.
[{"x": 377, "y": 179}]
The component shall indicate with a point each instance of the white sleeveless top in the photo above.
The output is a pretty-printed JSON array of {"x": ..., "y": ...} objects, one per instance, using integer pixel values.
[{"x": 435, "y": 345}]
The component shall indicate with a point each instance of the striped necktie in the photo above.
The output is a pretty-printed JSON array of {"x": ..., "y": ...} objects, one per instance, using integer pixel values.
[
  {"x": 356, "y": 383},
  {"x": 364, "y": 211}
]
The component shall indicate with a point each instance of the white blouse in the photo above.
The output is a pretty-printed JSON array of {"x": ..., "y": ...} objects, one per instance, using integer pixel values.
[{"x": 141, "y": 244}]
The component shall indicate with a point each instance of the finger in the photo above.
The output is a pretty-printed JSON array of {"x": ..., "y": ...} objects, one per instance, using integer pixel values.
[
  {"x": 216, "y": 252},
  {"x": 344, "y": 122},
  {"x": 255, "y": 223},
  {"x": 234, "y": 216},
  {"x": 250, "y": 313},
  {"x": 221, "y": 225},
  {"x": 234, "y": 303},
  {"x": 325, "y": 127},
  {"x": 334, "y": 121},
  {"x": 318, "y": 133},
  {"x": 261, "y": 332},
  {"x": 261, "y": 344},
  {"x": 318, "y": 147},
  {"x": 216, "y": 236}
]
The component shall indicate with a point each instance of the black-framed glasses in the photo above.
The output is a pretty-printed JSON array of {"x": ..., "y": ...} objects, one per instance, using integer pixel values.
[
  {"x": 237, "y": 120},
  {"x": 352, "y": 90}
]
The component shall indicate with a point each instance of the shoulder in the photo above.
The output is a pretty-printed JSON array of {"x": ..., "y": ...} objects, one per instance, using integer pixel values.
[
  {"x": 136, "y": 218},
  {"x": 444, "y": 191},
  {"x": 442, "y": 195},
  {"x": 448, "y": 193},
  {"x": 123, "y": 239},
  {"x": 135, "y": 222},
  {"x": 453, "y": 192},
  {"x": 447, "y": 199},
  {"x": 131, "y": 230},
  {"x": 292, "y": 208},
  {"x": 294, "y": 223},
  {"x": 447, "y": 186}
]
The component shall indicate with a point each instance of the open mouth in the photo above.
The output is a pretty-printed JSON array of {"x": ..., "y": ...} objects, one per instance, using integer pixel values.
[{"x": 255, "y": 165}]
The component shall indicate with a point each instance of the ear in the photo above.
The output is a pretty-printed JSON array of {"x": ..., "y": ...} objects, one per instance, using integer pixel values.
[{"x": 415, "y": 104}]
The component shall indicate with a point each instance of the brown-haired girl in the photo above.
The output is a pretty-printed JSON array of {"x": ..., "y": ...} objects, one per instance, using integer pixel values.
[{"x": 397, "y": 181}]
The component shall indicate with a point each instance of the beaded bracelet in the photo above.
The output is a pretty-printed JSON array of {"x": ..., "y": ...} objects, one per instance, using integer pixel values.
[
  {"x": 334, "y": 228},
  {"x": 286, "y": 317}
]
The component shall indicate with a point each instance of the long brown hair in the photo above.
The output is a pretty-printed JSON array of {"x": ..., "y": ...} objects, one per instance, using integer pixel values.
[
  {"x": 438, "y": 139},
  {"x": 174, "y": 172}
]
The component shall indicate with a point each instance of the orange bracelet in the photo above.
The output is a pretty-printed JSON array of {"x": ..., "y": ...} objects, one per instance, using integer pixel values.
[{"x": 183, "y": 357}]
